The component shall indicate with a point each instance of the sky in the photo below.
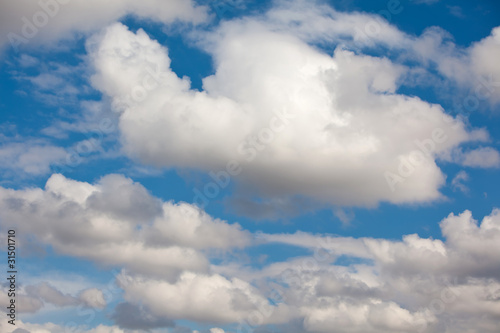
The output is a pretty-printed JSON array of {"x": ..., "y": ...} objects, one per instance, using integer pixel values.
[{"x": 229, "y": 166}]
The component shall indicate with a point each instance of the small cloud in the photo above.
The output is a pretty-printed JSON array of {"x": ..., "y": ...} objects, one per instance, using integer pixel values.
[
  {"x": 93, "y": 298},
  {"x": 482, "y": 158},
  {"x": 456, "y": 11},
  {"x": 216, "y": 330},
  {"x": 344, "y": 216},
  {"x": 457, "y": 182},
  {"x": 427, "y": 2},
  {"x": 27, "y": 61}
]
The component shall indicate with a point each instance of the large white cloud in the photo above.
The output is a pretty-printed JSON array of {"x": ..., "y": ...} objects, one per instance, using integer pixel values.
[{"x": 276, "y": 102}]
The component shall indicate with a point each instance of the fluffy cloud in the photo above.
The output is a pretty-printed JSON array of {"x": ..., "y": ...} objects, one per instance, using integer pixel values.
[
  {"x": 273, "y": 102},
  {"x": 473, "y": 67},
  {"x": 93, "y": 298},
  {"x": 413, "y": 285},
  {"x": 206, "y": 298},
  {"x": 35, "y": 22},
  {"x": 483, "y": 57},
  {"x": 117, "y": 222}
]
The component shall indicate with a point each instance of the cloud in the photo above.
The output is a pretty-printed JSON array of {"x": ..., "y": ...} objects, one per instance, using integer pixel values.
[
  {"x": 410, "y": 285},
  {"x": 456, "y": 11},
  {"x": 482, "y": 57},
  {"x": 130, "y": 316},
  {"x": 93, "y": 298},
  {"x": 49, "y": 294},
  {"x": 482, "y": 158},
  {"x": 25, "y": 303},
  {"x": 278, "y": 102},
  {"x": 36, "y": 22},
  {"x": 30, "y": 157},
  {"x": 205, "y": 298},
  {"x": 456, "y": 182},
  {"x": 413, "y": 285},
  {"x": 216, "y": 330},
  {"x": 473, "y": 68},
  {"x": 23, "y": 327},
  {"x": 116, "y": 222}
]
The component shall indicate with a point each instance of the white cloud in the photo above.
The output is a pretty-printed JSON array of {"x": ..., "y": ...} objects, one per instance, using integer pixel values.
[
  {"x": 216, "y": 330},
  {"x": 30, "y": 157},
  {"x": 206, "y": 298},
  {"x": 117, "y": 222},
  {"x": 25, "y": 303},
  {"x": 36, "y": 22},
  {"x": 93, "y": 298},
  {"x": 482, "y": 157},
  {"x": 484, "y": 62},
  {"x": 345, "y": 127},
  {"x": 413, "y": 285}
]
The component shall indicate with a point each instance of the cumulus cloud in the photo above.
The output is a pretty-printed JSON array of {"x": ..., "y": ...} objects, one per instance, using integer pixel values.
[
  {"x": 117, "y": 222},
  {"x": 473, "y": 67},
  {"x": 278, "y": 102},
  {"x": 483, "y": 55},
  {"x": 413, "y": 285},
  {"x": 206, "y": 298},
  {"x": 410, "y": 285}
]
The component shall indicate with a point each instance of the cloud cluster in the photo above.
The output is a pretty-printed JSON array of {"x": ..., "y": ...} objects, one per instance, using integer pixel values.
[
  {"x": 117, "y": 222},
  {"x": 290, "y": 124},
  {"x": 355, "y": 284},
  {"x": 412, "y": 285}
]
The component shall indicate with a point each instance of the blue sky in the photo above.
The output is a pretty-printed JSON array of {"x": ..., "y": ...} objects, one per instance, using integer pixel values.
[{"x": 268, "y": 166}]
